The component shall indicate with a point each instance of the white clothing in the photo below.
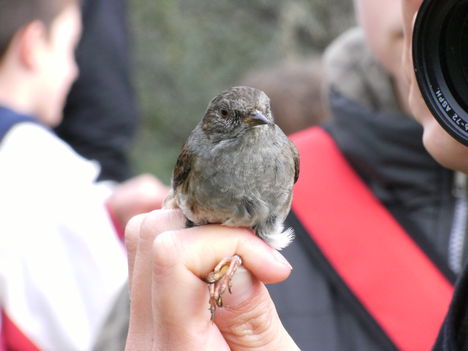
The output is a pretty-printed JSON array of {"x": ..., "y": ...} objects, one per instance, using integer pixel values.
[{"x": 61, "y": 262}]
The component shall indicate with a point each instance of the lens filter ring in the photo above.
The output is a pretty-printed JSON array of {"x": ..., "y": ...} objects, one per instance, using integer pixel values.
[{"x": 441, "y": 62}]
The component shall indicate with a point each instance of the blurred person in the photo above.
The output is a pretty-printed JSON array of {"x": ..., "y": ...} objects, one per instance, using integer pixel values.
[
  {"x": 451, "y": 153},
  {"x": 176, "y": 319},
  {"x": 372, "y": 130},
  {"x": 296, "y": 90},
  {"x": 100, "y": 116},
  {"x": 62, "y": 262}
]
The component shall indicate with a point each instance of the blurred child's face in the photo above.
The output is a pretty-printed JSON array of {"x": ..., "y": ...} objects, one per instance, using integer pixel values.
[
  {"x": 383, "y": 26},
  {"x": 58, "y": 66}
]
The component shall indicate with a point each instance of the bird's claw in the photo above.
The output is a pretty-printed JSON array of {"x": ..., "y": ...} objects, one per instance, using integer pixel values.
[{"x": 220, "y": 279}]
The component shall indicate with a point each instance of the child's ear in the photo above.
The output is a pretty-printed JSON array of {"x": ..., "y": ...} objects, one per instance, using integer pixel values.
[{"x": 31, "y": 41}]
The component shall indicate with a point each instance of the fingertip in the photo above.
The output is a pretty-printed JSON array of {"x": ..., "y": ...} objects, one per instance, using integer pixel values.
[
  {"x": 133, "y": 227},
  {"x": 165, "y": 250},
  {"x": 281, "y": 259},
  {"x": 266, "y": 263},
  {"x": 140, "y": 233},
  {"x": 159, "y": 221}
]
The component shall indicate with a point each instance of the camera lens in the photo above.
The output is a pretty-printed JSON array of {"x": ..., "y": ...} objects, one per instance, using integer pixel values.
[{"x": 440, "y": 56}]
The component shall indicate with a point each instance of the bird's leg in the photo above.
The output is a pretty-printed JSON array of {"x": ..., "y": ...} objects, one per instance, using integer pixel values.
[{"x": 220, "y": 279}]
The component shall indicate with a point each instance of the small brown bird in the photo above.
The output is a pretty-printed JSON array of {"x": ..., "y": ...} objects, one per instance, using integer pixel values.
[{"x": 237, "y": 168}]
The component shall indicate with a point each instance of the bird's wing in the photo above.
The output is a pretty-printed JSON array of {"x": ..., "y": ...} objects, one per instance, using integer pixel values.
[
  {"x": 295, "y": 154},
  {"x": 183, "y": 167}
]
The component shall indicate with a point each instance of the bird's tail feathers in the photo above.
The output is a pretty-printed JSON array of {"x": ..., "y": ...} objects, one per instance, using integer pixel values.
[{"x": 279, "y": 239}]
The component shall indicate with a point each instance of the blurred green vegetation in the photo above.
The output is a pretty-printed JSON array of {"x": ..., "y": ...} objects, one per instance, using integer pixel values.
[{"x": 186, "y": 51}]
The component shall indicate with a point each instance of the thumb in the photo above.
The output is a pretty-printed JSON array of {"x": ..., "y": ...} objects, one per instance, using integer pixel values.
[{"x": 248, "y": 319}]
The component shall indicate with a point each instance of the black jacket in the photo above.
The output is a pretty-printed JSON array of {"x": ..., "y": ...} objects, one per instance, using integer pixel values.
[
  {"x": 100, "y": 116},
  {"x": 454, "y": 333}
]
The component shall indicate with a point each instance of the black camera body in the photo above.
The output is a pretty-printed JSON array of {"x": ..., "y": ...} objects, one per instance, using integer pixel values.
[{"x": 440, "y": 57}]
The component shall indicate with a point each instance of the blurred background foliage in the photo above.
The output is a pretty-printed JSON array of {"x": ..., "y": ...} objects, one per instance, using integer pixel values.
[{"x": 186, "y": 51}]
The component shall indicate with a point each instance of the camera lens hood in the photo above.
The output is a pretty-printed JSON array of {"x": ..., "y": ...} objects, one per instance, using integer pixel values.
[{"x": 440, "y": 57}]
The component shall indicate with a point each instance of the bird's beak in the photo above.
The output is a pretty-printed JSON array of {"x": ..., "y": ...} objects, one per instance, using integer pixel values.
[{"x": 256, "y": 118}]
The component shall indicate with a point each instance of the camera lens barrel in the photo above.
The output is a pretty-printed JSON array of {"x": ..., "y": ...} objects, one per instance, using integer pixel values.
[{"x": 440, "y": 57}]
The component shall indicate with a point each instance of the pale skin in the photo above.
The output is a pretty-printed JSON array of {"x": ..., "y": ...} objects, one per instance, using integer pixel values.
[
  {"x": 167, "y": 263},
  {"x": 445, "y": 150},
  {"x": 169, "y": 311},
  {"x": 383, "y": 28},
  {"x": 39, "y": 67},
  {"x": 35, "y": 76}
]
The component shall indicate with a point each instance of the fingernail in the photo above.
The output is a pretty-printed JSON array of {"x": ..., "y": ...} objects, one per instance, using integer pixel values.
[{"x": 281, "y": 259}]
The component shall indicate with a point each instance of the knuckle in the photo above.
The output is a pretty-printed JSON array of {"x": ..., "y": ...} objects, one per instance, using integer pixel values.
[
  {"x": 256, "y": 328},
  {"x": 132, "y": 229},
  {"x": 157, "y": 222},
  {"x": 165, "y": 251}
]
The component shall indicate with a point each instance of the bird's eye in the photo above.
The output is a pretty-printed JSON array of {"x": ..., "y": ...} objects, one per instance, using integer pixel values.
[{"x": 224, "y": 113}]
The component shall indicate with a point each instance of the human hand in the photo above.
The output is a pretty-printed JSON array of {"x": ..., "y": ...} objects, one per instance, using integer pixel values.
[
  {"x": 137, "y": 195},
  {"x": 445, "y": 149},
  {"x": 169, "y": 297}
]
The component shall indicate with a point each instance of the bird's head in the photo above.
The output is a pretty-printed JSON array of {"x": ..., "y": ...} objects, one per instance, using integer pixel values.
[{"x": 235, "y": 111}]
